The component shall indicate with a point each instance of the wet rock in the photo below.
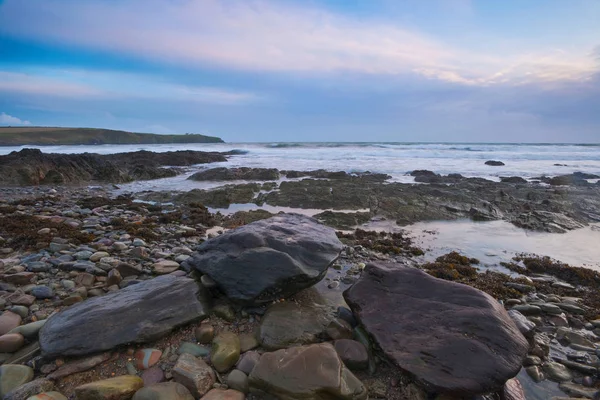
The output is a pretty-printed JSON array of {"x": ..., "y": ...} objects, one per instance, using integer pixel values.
[
  {"x": 573, "y": 389},
  {"x": 119, "y": 388},
  {"x": 524, "y": 325},
  {"x": 268, "y": 259},
  {"x": 42, "y": 292},
  {"x": 127, "y": 270},
  {"x": 224, "y": 394},
  {"x": 248, "y": 341},
  {"x": 146, "y": 358},
  {"x": 194, "y": 374},
  {"x": 48, "y": 396},
  {"x": 224, "y": 311},
  {"x": 513, "y": 390},
  {"x": 164, "y": 391},
  {"x": 494, "y": 163},
  {"x": 248, "y": 361},
  {"x": 354, "y": 354},
  {"x": 556, "y": 372},
  {"x": 165, "y": 267},
  {"x": 288, "y": 324},
  {"x": 30, "y": 389},
  {"x": 205, "y": 333},
  {"x": 193, "y": 349},
  {"x": 225, "y": 351},
  {"x": 79, "y": 365},
  {"x": 12, "y": 376},
  {"x": 11, "y": 342},
  {"x": 527, "y": 309},
  {"x": 136, "y": 314},
  {"x": 339, "y": 329},
  {"x": 113, "y": 278},
  {"x": 153, "y": 375},
  {"x": 535, "y": 373},
  {"x": 451, "y": 337},
  {"x": 304, "y": 372},
  {"x": 231, "y": 174},
  {"x": 21, "y": 278},
  {"x": 9, "y": 321}
]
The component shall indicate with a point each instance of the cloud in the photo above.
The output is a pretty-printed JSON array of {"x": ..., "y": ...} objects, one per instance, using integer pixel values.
[
  {"x": 90, "y": 84},
  {"x": 6, "y": 119},
  {"x": 272, "y": 36}
]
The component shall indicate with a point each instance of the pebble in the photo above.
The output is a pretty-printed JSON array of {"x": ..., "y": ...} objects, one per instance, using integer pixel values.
[
  {"x": 557, "y": 372},
  {"x": 42, "y": 292},
  {"x": 146, "y": 358},
  {"x": 193, "y": 349},
  {"x": 119, "y": 246},
  {"x": 153, "y": 375},
  {"x": 339, "y": 329},
  {"x": 30, "y": 389},
  {"x": 9, "y": 320},
  {"x": 11, "y": 342},
  {"x": 121, "y": 387},
  {"x": 48, "y": 396},
  {"x": 225, "y": 351},
  {"x": 248, "y": 341},
  {"x": 238, "y": 380},
  {"x": 12, "y": 376},
  {"x": 165, "y": 267},
  {"x": 164, "y": 391},
  {"x": 248, "y": 361},
  {"x": 194, "y": 374}
]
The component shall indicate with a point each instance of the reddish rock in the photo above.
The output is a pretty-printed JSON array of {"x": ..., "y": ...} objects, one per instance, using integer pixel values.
[
  {"x": 21, "y": 278},
  {"x": 9, "y": 321},
  {"x": 353, "y": 354},
  {"x": 79, "y": 366},
  {"x": 513, "y": 390},
  {"x": 146, "y": 358},
  {"x": 222, "y": 394},
  {"x": 85, "y": 279},
  {"x": 11, "y": 342},
  {"x": 153, "y": 375},
  {"x": 21, "y": 299}
]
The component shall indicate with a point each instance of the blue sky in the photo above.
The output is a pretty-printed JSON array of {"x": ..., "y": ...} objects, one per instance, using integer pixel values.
[{"x": 316, "y": 70}]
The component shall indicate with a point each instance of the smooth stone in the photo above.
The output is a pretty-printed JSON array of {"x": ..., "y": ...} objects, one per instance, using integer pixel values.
[
  {"x": 248, "y": 361},
  {"x": 139, "y": 313},
  {"x": 237, "y": 380},
  {"x": 451, "y": 337},
  {"x": 347, "y": 315},
  {"x": 550, "y": 308},
  {"x": 269, "y": 259},
  {"x": 9, "y": 321},
  {"x": 97, "y": 256},
  {"x": 288, "y": 324},
  {"x": 571, "y": 308},
  {"x": 208, "y": 282},
  {"x": 193, "y": 349},
  {"x": 48, "y": 396},
  {"x": 532, "y": 360},
  {"x": 354, "y": 354},
  {"x": 513, "y": 390},
  {"x": 248, "y": 341},
  {"x": 339, "y": 329},
  {"x": 119, "y": 388},
  {"x": 20, "y": 278},
  {"x": 165, "y": 267},
  {"x": 153, "y": 375},
  {"x": 224, "y": 394},
  {"x": 224, "y": 311},
  {"x": 305, "y": 372},
  {"x": 573, "y": 389},
  {"x": 146, "y": 358},
  {"x": 113, "y": 278},
  {"x": 138, "y": 242},
  {"x": 12, "y": 376},
  {"x": 11, "y": 342},
  {"x": 85, "y": 279},
  {"x": 557, "y": 372},
  {"x": 131, "y": 369},
  {"x": 73, "y": 299},
  {"x": 21, "y": 299},
  {"x": 83, "y": 255},
  {"x": 22, "y": 311},
  {"x": 79, "y": 365},
  {"x": 527, "y": 309},
  {"x": 535, "y": 373},
  {"x": 204, "y": 333},
  {"x": 67, "y": 284},
  {"x": 524, "y": 325},
  {"x": 164, "y": 391},
  {"x": 194, "y": 374},
  {"x": 30, "y": 389},
  {"x": 225, "y": 351},
  {"x": 42, "y": 292},
  {"x": 119, "y": 246}
]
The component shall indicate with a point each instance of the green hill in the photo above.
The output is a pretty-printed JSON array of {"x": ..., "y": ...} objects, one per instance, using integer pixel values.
[{"x": 42, "y": 136}]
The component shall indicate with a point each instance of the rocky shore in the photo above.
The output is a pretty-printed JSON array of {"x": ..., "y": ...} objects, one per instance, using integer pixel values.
[{"x": 107, "y": 298}]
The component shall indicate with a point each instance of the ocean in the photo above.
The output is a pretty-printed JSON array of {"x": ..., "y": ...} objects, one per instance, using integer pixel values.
[{"x": 489, "y": 241}]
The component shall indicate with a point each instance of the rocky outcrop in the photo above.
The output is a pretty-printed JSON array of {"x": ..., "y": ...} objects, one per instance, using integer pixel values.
[
  {"x": 135, "y": 314},
  {"x": 494, "y": 163},
  {"x": 268, "y": 259},
  {"x": 233, "y": 174},
  {"x": 32, "y": 167},
  {"x": 451, "y": 337},
  {"x": 305, "y": 372}
]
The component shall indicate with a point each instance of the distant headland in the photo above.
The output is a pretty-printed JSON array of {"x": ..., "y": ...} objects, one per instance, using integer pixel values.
[{"x": 45, "y": 136}]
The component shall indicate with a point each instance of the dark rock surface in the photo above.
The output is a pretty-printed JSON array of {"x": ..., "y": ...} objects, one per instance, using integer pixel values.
[
  {"x": 232, "y": 174},
  {"x": 268, "y": 259},
  {"x": 494, "y": 163},
  {"x": 32, "y": 167},
  {"x": 136, "y": 314},
  {"x": 451, "y": 337}
]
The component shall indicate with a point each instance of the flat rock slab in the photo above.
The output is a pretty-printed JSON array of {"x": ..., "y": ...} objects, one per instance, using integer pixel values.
[
  {"x": 268, "y": 259},
  {"x": 139, "y": 313},
  {"x": 453, "y": 338}
]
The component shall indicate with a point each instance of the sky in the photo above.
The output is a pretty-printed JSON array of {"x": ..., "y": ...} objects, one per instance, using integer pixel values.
[{"x": 306, "y": 70}]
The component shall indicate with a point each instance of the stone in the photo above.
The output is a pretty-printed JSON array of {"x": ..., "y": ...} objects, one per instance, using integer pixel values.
[
  {"x": 237, "y": 380},
  {"x": 224, "y": 394},
  {"x": 119, "y": 388},
  {"x": 288, "y": 324},
  {"x": 146, "y": 358},
  {"x": 31, "y": 330},
  {"x": 524, "y": 325},
  {"x": 9, "y": 321},
  {"x": 48, "y": 396},
  {"x": 73, "y": 299},
  {"x": 556, "y": 372},
  {"x": 153, "y": 375},
  {"x": 30, "y": 389},
  {"x": 21, "y": 278},
  {"x": 113, "y": 278},
  {"x": 535, "y": 373},
  {"x": 139, "y": 313},
  {"x": 573, "y": 389},
  {"x": 83, "y": 255},
  {"x": 354, "y": 354},
  {"x": 204, "y": 333},
  {"x": 527, "y": 309},
  {"x": 193, "y": 349},
  {"x": 138, "y": 242},
  {"x": 248, "y": 341},
  {"x": 345, "y": 314},
  {"x": 85, "y": 279},
  {"x": 224, "y": 311},
  {"x": 248, "y": 361},
  {"x": 11, "y": 342},
  {"x": 164, "y": 391},
  {"x": 97, "y": 256},
  {"x": 306, "y": 372},
  {"x": 165, "y": 267},
  {"x": 513, "y": 390},
  {"x": 12, "y": 376},
  {"x": 550, "y": 308},
  {"x": 119, "y": 246},
  {"x": 339, "y": 329},
  {"x": 21, "y": 299},
  {"x": 269, "y": 259},
  {"x": 194, "y": 374},
  {"x": 225, "y": 351},
  {"x": 79, "y": 365},
  {"x": 451, "y": 337},
  {"x": 42, "y": 292}
]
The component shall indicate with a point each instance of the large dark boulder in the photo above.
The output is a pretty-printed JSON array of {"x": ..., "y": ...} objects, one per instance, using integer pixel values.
[
  {"x": 451, "y": 337},
  {"x": 139, "y": 313},
  {"x": 494, "y": 163},
  {"x": 268, "y": 259},
  {"x": 232, "y": 174}
]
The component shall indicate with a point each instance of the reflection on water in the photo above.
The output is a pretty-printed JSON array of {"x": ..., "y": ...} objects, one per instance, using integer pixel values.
[{"x": 496, "y": 241}]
